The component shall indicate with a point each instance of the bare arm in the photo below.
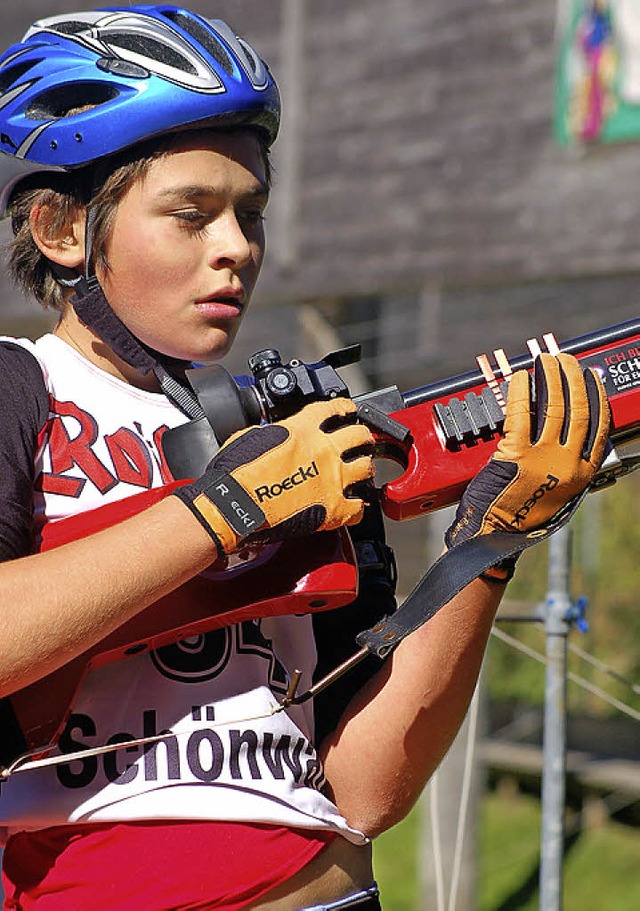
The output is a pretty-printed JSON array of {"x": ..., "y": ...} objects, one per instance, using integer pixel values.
[
  {"x": 67, "y": 599},
  {"x": 61, "y": 602},
  {"x": 397, "y": 729}
]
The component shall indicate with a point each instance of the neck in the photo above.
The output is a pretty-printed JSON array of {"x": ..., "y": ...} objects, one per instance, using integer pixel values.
[{"x": 87, "y": 343}]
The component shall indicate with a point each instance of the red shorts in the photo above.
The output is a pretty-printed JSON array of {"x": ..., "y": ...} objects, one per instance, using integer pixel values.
[{"x": 152, "y": 866}]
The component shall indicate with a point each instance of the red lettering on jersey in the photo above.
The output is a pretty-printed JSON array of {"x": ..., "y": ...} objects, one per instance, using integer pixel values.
[
  {"x": 130, "y": 458},
  {"x": 66, "y": 452}
]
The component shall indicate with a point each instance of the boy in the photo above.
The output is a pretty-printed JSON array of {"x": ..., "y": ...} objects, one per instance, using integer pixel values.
[{"x": 140, "y": 137}]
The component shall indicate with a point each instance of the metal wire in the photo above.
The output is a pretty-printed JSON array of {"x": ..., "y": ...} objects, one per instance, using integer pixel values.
[{"x": 580, "y": 681}]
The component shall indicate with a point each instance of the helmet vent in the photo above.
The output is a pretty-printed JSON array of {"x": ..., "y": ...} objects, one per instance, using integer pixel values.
[
  {"x": 14, "y": 74},
  {"x": 250, "y": 57},
  {"x": 61, "y": 101},
  {"x": 202, "y": 36},
  {"x": 69, "y": 27},
  {"x": 144, "y": 46}
]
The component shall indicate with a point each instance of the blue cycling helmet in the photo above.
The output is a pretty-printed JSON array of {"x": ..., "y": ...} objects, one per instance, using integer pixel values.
[{"x": 126, "y": 74}]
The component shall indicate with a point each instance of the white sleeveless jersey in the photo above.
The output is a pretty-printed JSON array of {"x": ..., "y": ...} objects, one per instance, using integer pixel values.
[{"x": 225, "y": 756}]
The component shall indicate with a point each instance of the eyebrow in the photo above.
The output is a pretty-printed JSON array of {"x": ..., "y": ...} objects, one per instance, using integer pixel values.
[{"x": 197, "y": 191}]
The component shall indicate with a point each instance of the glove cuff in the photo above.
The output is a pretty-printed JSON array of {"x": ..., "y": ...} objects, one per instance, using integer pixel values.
[{"x": 223, "y": 508}]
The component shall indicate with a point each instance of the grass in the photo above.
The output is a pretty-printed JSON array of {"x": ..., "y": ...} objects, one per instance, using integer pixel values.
[{"x": 600, "y": 868}]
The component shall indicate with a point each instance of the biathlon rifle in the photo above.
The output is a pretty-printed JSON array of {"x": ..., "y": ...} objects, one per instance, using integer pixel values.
[{"x": 440, "y": 434}]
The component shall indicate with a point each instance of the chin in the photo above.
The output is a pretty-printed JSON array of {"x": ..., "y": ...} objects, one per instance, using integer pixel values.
[
  {"x": 219, "y": 349},
  {"x": 197, "y": 352}
]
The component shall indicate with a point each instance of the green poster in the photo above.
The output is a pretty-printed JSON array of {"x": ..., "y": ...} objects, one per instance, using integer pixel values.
[{"x": 598, "y": 72}]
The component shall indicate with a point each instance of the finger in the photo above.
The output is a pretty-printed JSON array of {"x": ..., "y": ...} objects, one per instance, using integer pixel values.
[
  {"x": 540, "y": 400},
  {"x": 577, "y": 418},
  {"x": 551, "y": 406},
  {"x": 361, "y": 469},
  {"x": 599, "y": 418},
  {"x": 517, "y": 425},
  {"x": 325, "y": 410},
  {"x": 357, "y": 514},
  {"x": 357, "y": 437}
]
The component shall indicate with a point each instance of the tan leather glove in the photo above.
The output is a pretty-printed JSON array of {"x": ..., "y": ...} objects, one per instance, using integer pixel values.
[
  {"x": 553, "y": 445},
  {"x": 290, "y": 478}
]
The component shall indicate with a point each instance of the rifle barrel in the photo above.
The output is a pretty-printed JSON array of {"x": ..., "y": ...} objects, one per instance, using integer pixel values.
[{"x": 591, "y": 341}]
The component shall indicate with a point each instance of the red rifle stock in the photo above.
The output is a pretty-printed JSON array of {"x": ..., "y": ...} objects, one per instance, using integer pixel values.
[{"x": 455, "y": 425}]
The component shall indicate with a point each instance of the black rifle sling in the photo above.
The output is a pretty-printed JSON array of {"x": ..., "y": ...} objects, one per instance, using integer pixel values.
[{"x": 454, "y": 570}]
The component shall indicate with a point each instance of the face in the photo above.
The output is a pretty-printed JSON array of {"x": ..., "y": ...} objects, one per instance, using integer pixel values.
[{"x": 187, "y": 245}]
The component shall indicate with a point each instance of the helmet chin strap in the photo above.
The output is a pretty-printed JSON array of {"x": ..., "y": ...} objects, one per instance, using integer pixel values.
[{"x": 93, "y": 309}]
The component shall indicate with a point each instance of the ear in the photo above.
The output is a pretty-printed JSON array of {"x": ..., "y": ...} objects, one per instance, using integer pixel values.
[{"x": 61, "y": 242}]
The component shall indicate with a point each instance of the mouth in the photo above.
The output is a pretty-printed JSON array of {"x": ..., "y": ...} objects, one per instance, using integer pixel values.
[{"x": 224, "y": 304}]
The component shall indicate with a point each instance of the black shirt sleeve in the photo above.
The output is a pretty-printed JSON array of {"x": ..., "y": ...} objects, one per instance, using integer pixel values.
[
  {"x": 335, "y": 630},
  {"x": 23, "y": 413}
]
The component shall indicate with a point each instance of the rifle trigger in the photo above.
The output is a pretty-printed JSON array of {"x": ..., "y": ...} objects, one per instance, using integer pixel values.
[{"x": 375, "y": 418}]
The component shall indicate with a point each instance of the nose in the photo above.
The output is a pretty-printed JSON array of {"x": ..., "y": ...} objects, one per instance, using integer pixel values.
[{"x": 229, "y": 245}]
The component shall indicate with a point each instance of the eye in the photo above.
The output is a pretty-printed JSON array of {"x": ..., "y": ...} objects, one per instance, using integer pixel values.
[
  {"x": 191, "y": 219},
  {"x": 251, "y": 218}
]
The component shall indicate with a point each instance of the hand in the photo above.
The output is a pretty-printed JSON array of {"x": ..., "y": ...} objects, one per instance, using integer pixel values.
[
  {"x": 553, "y": 446},
  {"x": 290, "y": 478}
]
